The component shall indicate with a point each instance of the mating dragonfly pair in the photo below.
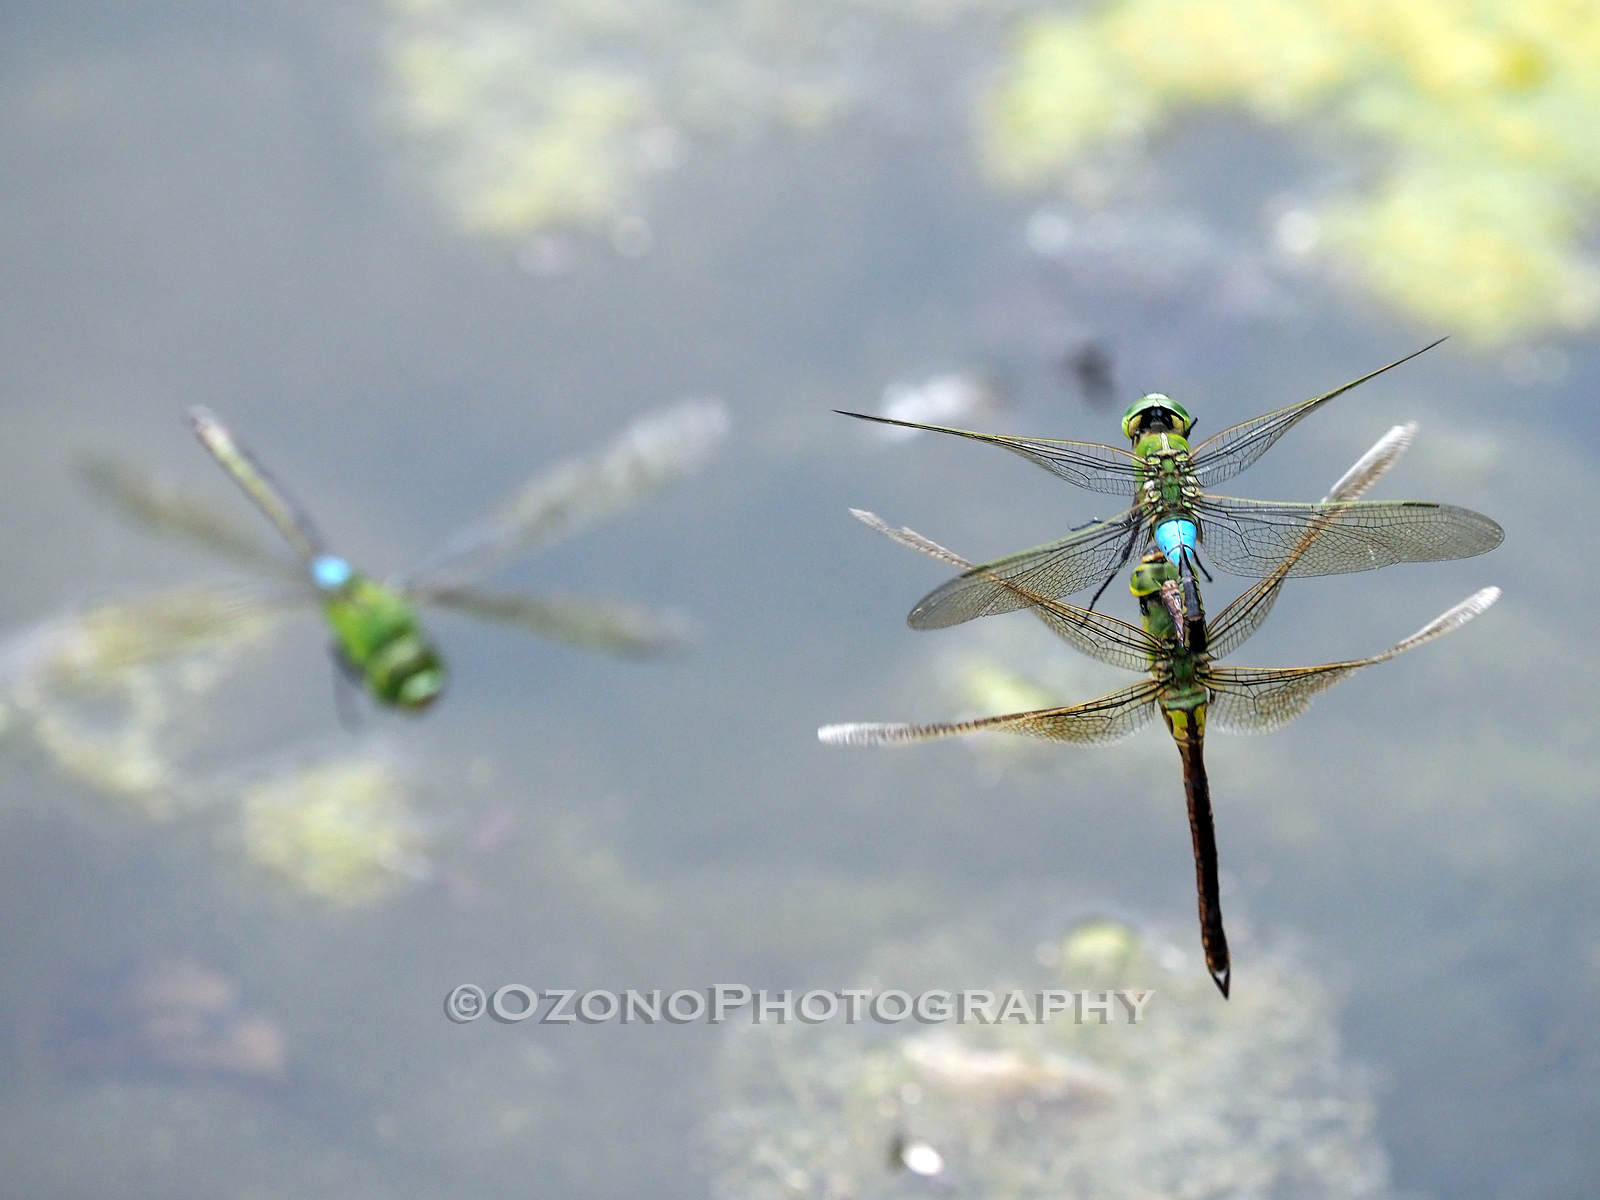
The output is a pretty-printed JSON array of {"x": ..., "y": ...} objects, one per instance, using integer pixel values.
[{"x": 1177, "y": 646}]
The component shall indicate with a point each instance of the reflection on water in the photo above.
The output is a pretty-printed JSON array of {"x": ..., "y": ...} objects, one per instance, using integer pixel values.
[{"x": 1201, "y": 1098}]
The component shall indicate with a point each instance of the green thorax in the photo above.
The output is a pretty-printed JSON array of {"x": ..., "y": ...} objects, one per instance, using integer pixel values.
[
  {"x": 380, "y": 637},
  {"x": 1167, "y": 483}
]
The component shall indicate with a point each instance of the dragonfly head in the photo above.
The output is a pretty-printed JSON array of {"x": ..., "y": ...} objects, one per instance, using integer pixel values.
[
  {"x": 1156, "y": 413},
  {"x": 330, "y": 573},
  {"x": 1153, "y": 570}
]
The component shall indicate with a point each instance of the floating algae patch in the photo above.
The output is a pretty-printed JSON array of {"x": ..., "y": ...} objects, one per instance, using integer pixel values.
[
  {"x": 1483, "y": 114},
  {"x": 339, "y": 828},
  {"x": 111, "y": 694},
  {"x": 1203, "y": 1097},
  {"x": 542, "y": 113}
]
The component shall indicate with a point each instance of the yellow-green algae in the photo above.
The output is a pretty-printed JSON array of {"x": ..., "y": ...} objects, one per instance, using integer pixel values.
[
  {"x": 1485, "y": 112},
  {"x": 340, "y": 829},
  {"x": 111, "y": 693},
  {"x": 545, "y": 113}
]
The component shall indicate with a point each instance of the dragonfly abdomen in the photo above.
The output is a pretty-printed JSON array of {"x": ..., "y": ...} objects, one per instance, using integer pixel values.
[
  {"x": 1187, "y": 721},
  {"x": 380, "y": 637}
]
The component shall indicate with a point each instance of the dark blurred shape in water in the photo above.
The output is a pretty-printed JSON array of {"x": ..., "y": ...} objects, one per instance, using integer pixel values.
[
  {"x": 1092, "y": 367},
  {"x": 173, "y": 1019}
]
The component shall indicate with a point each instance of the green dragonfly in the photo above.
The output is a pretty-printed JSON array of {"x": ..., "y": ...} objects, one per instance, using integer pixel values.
[
  {"x": 378, "y": 639},
  {"x": 1184, "y": 685},
  {"x": 1165, "y": 478}
]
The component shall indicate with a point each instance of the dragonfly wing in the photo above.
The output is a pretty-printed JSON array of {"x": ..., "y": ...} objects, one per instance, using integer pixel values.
[
  {"x": 1252, "y": 538},
  {"x": 160, "y": 505},
  {"x": 278, "y": 505},
  {"x": 910, "y": 539},
  {"x": 656, "y": 450},
  {"x": 1258, "y": 700},
  {"x": 1097, "y": 723},
  {"x": 1061, "y": 568},
  {"x": 100, "y": 642},
  {"x": 593, "y": 624},
  {"x": 1222, "y": 457},
  {"x": 1236, "y": 623},
  {"x": 1087, "y": 464},
  {"x": 1095, "y": 634}
]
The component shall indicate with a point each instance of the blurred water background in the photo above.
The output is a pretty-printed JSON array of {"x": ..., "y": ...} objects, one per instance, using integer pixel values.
[{"x": 413, "y": 252}]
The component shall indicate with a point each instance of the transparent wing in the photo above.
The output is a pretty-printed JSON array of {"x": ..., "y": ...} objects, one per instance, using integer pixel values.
[
  {"x": 593, "y": 624},
  {"x": 1083, "y": 558},
  {"x": 1235, "y": 624},
  {"x": 279, "y": 506},
  {"x": 1100, "y": 637},
  {"x": 654, "y": 451},
  {"x": 1222, "y": 457},
  {"x": 1097, "y": 723},
  {"x": 1257, "y": 700},
  {"x": 1087, "y": 464},
  {"x": 1253, "y": 537},
  {"x": 160, "y": 505}
]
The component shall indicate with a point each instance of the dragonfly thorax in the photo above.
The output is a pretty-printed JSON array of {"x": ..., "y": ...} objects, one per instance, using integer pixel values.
[
  {"x": 380, "y": 638},
  {"x": 1167, "y": 483}
]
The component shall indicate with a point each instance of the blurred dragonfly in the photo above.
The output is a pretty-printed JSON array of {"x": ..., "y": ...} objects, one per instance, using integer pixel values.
[
  {"x": 379, "y": 641},
  {"x": 1165, "y": 479},
  {"x": 1184, "y": 684}
]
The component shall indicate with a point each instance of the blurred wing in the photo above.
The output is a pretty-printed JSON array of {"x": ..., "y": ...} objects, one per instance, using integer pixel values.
[
  {"x": 1061, "y": 568},
  {"x": 1256, "y": 700},
  {"x": 1097, "y": 723},
  {"x": 280, "y": 508},
  {"x": 1087, "y": 464},
  {"x": 159, "y": 505},
  {"x": 593, "y": 624},
  {"x": 99, "y": 642},
  {"x": 1374, "y": 464},
  {"x": 1100, "y": 637},
  {"x": 654, "y": 451},
  {"x": 1252, "y": 537},
  {"x": 1222, "y": 457}
]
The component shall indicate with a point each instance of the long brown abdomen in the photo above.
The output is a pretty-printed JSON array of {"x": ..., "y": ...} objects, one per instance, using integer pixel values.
[{"x": 1197, "y": 789}]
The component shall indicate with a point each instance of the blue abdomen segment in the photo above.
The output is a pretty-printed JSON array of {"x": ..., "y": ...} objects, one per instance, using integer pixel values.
[
  {"x": 1176, "y": 535},
  {"x": 330, "y": 573}
]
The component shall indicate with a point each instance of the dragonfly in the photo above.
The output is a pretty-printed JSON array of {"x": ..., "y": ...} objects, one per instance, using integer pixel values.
[
  {"x": 1166, "y": 478},
  {"x": 1184, "y": 685},
  {"x": 379, "y": 643}
]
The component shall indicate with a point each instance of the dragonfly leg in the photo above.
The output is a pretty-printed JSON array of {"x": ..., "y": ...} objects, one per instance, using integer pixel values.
[
  {"x": 1127, "y": 553},
  {"x": 347, "y": 686}
]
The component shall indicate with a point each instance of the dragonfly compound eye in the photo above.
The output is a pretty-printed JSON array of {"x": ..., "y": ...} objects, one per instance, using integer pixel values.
[{"x": 1156, "y": 409}]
